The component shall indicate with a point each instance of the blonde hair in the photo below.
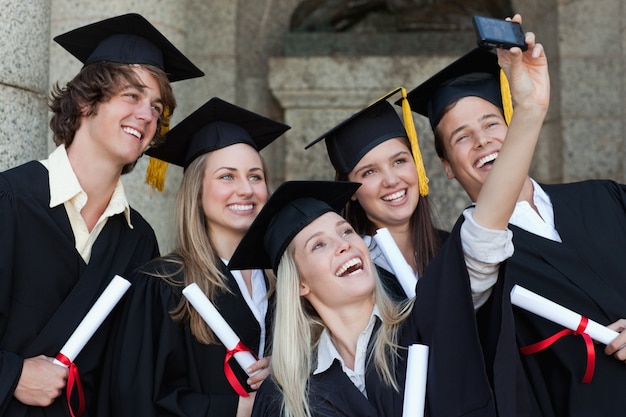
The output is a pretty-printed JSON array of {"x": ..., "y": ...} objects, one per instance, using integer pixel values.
[
  {"x": 195, "y": 257},
  {"x": 297, "y": 329}
]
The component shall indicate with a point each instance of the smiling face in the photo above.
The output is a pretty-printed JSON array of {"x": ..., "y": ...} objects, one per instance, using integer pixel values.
[
  {"x": 233, "y": 190},
  {"x": 471, "y": 132},
  {"x": 390, "y": 191},
  {"x": 334, "y": 263},
  {"x": 122, "y": 128}
]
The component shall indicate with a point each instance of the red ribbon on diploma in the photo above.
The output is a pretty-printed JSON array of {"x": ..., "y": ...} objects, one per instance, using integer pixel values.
[
  {"x": 73, "y": 378},
  {"x": 580, "y": 331},
  {"x": 228, "y": 371}
]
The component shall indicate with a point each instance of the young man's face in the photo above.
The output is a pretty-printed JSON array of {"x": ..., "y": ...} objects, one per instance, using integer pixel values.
[
  {"x": 123, "y": 127},
  {"x": 472, "y": 132}
]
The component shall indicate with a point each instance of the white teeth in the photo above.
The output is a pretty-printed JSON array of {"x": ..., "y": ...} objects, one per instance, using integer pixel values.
[
  {"x": 482, "y": 161},
  {"x": 132, "y": 131},
  {"x": 395, "y": 196},
  {"x": 354, "y": 264},
  {"x": 241, "y": 207}
]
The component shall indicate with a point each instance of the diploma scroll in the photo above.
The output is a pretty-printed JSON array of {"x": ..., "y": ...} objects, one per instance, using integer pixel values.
[
  {"x": 94, "y": 318},
  {"x": 401, "y": 268},
  {"x": 552, "y": 311},
  {"x": 415, "y": 387},
  {"x": 216, "y": 322}
]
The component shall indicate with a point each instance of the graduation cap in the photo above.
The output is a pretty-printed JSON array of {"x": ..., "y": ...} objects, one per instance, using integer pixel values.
[
  {"x": 215, "y": 125},
  {"x": 476, "y": 73},
  {"x": 128, "y": 39},
  {"x": 351, "y": 139},
  {"x": 292, "y": 207}
]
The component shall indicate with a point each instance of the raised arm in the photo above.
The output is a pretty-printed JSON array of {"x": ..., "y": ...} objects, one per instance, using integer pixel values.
[{"x": 529, "y": 80}]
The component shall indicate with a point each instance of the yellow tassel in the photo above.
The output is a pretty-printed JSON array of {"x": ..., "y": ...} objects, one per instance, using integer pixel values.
[
  {"x": 507, "y": 102},
  {"x": 155, "y": 173},
  {"x": 415, "y": 149}
]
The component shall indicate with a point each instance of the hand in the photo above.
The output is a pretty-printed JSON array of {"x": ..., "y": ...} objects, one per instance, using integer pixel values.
[
  {"x": 527, "y": 73},
  {"x": 244, "y": 408},
  {"x": 41, "y": 381},
  {"x": 616, "y": 347},
  {"x": 263, "y": 367}
]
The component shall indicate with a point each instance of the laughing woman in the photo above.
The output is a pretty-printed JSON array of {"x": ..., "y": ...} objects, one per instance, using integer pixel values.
[
  {"x": 169, "y": 361},
  {"x": 341, "y": 345}
]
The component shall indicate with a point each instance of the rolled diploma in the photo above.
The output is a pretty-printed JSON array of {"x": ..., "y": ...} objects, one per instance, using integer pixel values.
[
  {"x": 552, "y": 311},
  {"x": 94, "y": 318},
  {"x": 401, "y": 268},
  {"x": 216, "y": 322},
  {"x": 415, "y": 387}
]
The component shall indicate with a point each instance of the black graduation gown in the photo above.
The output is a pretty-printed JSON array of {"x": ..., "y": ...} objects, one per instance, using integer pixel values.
[
  {"x": 160, "y": 369},
  {"x": 45, "y": 286},
  {"x": 442, "y": 318},
  {"x": 586, "y": 273}
]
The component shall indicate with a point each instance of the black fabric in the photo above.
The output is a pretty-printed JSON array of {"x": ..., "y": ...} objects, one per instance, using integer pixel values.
[
  {"x": 45, "y": 286},
  {"x": 585, "y": 273},
  {"x": 159, "y": 368}
]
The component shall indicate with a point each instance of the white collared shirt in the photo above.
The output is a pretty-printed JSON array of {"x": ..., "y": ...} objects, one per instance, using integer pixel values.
[
  {"x": 65, "y": 189},
  {"x": 257, "y": 301},
  {"x": 541, "y": 224},
  {"x": 327, "y": 353}
]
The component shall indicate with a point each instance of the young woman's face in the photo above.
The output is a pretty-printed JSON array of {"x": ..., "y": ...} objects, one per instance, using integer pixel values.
[
  {"x": 390, "y": 190},
  {"x": 472, "y": 132},
  {"x": 334, "y": 263},
  {"x": 233, "y": 189}
]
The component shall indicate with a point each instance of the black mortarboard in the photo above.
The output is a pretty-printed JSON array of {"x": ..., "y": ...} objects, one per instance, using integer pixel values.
[
  {"x": 351, "y": 139},
  {"x": 128, "y": 39},
  {"x": 215, "y": 125},
  {"x": 292, "y": 207},
  {"x": 477, "y": 73}
]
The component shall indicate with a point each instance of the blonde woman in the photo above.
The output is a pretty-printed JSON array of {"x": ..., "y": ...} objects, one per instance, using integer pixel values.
[{"x": 169, "y": 360}]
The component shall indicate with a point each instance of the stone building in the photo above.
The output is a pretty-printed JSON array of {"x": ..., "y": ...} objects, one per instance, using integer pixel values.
[{"x": 313, "y": 63}]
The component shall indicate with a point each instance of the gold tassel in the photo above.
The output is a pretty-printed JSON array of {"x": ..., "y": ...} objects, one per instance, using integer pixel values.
[
  {"x": 155, "y": 172},
  {"x": 507, "y": 102},
  {"x": 412, "y": 134}
]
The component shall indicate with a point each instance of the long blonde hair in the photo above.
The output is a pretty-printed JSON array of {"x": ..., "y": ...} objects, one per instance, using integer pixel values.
[
  {"x": 297, "y": 331},
  {"x": 195, "y": 257}
]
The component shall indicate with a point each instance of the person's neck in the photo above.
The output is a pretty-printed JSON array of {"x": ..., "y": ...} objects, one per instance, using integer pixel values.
[
  {"x": 97, "y": 178},
  {"x": 345, "y": 325},
  {"x": 224, "y": 242}
]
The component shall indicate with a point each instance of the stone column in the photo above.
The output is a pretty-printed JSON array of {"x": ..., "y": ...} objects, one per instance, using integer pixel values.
[{"x": 23, "y": 80}]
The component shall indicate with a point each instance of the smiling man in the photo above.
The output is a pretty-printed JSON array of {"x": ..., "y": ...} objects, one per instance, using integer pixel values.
[
  {"x": 566, "y": 239},
  {"x": 67, "y": 227}
]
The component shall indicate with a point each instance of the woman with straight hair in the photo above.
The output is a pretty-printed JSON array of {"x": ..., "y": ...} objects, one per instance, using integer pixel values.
[{"x": 169, "y": 362}]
